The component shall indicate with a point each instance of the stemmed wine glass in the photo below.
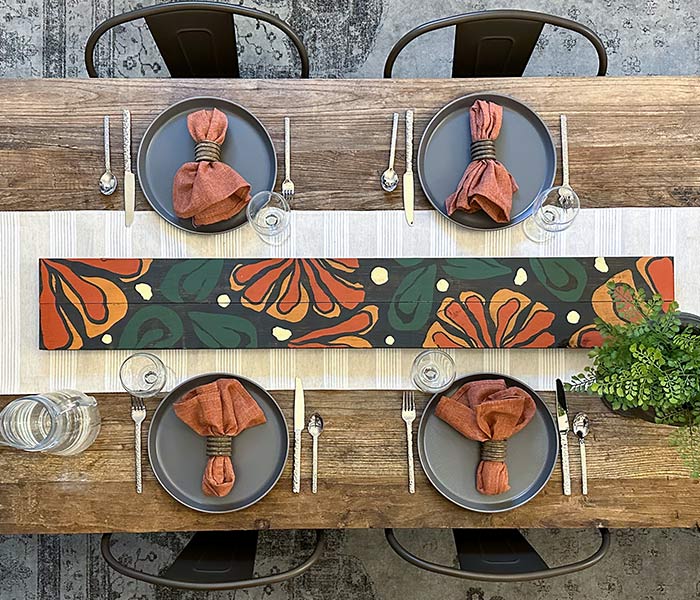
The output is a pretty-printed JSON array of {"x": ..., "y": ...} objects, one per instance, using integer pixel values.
[{"x": 554, "y": 210}]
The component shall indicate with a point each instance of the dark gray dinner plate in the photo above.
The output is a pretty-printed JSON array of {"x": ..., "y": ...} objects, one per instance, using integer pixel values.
[
  {"x": 524, "y": 146},
  {"x": 450, "y": 460},
  {"x": 167, "y": 145},
  {"x": 178, "y": 455}
]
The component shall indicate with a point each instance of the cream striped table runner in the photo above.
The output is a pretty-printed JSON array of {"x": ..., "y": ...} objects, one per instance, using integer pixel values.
[{"x": 27, "y": 236}]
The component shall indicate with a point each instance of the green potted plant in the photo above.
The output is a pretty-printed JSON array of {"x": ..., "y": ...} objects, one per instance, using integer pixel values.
[{"x": 649, "y": 367}]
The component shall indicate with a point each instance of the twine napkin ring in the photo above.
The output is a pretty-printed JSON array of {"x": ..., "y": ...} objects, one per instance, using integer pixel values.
[
  {"x": 218, "y": 445},
  {"x": 207, "y": 151},
  {"x": 494, "y": 450},
  {"x": 483, "y": 150}
]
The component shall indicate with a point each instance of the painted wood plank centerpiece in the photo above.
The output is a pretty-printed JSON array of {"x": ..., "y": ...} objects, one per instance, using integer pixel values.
[{"x": 97, "y": 304}]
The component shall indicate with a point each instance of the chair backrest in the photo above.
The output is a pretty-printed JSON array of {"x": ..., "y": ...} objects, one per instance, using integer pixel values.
[
  {"x": 496, "y": 43},
  {"x": 195, "y": 39}
]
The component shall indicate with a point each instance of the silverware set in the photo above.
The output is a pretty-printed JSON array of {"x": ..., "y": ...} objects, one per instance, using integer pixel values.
[
  {"x": 108, "y": 181},
  {"x": 389, "y": 179},
  {"x": 581, "y": 427},
  {"x": 315, "y": 428}
]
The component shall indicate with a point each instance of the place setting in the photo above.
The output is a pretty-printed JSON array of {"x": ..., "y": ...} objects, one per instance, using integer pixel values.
[{"x": 487, "y": 442}]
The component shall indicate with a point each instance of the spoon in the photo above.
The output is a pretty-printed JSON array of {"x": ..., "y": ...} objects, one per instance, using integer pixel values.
[
  {"x": 315, "y": 428},
  {"x": 108, "y": 182},
  {"x": 390, "y": 178},
  {"x": 581, "y": 427},
  {"x": 566, "y": 192}
]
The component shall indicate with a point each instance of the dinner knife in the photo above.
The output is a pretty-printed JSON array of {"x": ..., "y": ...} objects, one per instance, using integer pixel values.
[
  {"x": 129, "y": 180},
  {"x": 408, "y": 199},
  {"x": 563, "y": 425},
  {"x": 298, "y": 428}
]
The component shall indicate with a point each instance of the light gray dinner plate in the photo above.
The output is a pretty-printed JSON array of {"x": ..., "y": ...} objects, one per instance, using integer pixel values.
[
  {"x": 178, "y": 455},
  {"x": 167, "y": 145},
  {"x": 524, "y": 146},
  {"x": 450, "y": 460}
]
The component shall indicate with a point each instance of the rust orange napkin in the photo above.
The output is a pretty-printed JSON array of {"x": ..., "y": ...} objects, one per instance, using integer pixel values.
[
  {"x": 208, "y": 192},
  {"x": 220, "y": 408},
  {"x": 486, "y": 184},
  {"x": 488, "y": 411}
]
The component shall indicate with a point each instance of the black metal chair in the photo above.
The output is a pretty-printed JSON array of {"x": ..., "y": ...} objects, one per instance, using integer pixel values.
[
  {"x": 496, "y": 43},
  {"x": 214, "y": 561},
  {"x": 498, "y": 555},
  {"x": 195, "y": 39}
]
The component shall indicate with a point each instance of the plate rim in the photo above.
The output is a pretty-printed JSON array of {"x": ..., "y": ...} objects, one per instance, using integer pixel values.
[
  {"x": 420, "y": 436},
  {"x": 146, "y": 136},
  {"x": 445, "y": 108},
  {"x": 217, "y": 375}
]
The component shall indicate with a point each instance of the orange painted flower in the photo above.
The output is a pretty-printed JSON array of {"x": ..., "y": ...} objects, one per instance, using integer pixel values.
[
  {"x": 508, "y": 320},
  {"x": 285, "y": 288},
  {"x": 656, "y": 273},
  {"x": 347, "y": 334},
  {"x": 79, "y": 297}
]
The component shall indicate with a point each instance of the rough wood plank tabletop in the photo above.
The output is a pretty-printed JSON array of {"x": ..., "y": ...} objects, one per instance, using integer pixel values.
[{"x": 633, "y": 141}]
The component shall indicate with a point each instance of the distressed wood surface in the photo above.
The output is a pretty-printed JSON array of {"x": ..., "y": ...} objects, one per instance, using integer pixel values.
[
  {"x": 633, "y": 141},
  {"x": 635, "y": 479}
]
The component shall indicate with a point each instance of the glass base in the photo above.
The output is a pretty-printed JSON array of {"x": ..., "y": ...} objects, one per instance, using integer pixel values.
[{"x": 534, "y": 232}]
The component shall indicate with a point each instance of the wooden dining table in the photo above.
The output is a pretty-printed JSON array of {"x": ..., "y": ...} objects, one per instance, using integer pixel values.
[{"x": 633, "y": 141}]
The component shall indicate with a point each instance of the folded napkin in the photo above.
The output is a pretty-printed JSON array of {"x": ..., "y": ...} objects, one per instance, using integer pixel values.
[
  {"x": 486, "y": 184},
  {"x": 218, "y": 409},
  {"x": 489, "y": 412},
  {"x": 208, "y": 191}
]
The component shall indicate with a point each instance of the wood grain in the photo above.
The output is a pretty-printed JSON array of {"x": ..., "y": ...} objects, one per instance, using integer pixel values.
[
  {"x": 635, "y": 479},
  {"x": 633, "y": 141}
]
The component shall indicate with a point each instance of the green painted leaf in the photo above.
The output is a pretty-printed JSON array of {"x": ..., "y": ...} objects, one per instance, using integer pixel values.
[
  {"x": 566, "y": 278},
  {"x": 409, "y": 262},
  {"x": 412, "y": 303},
  {"x": 223, "y": 331},
  {"x": 192, "y": 280},
  {"x": 476, "y": 268},
  {"x": 152, "y": 327}
]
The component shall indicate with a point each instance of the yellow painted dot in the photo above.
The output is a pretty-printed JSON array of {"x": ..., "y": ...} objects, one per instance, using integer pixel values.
[
  {"x": 389, "y": 340},
  {"x": 223, "y": 300},
  {"x": 520, "y": 276},
  {"x": 281, "y": 334},
  {"x": 573, "y": 317},
  {"x": 442, "y": 285},
  {"x": 601, "y": 265},
  {"x": 144, "y": 290},
  {"x": 106, "y": 339},
  {"x": 379, "y": 275}
]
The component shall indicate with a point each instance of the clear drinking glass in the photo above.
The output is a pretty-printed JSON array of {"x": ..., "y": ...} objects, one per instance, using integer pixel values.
[
  {"x": 143, "y": 375},
  {"x": 270, "y": 215},
  {"x": 554, "y": 210},
  {"x": 64, "y": 422},
  {"x": 433, "y": 371}
]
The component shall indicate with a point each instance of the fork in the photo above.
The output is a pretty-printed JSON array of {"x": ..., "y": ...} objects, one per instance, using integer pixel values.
[
  {"x": 138, "y": 414},
  {"x": 287, "y": 184},
  {"x": 408, "y": 414}
]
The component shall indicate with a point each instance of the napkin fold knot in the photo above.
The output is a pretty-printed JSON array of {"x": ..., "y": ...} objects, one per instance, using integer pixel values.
[
  {"x": 207, "y": 190},
  {"x": 486, "y": 184},
  {"x": 489, "y": 412},
  {"x": 218, "y": 411}
]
